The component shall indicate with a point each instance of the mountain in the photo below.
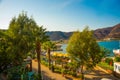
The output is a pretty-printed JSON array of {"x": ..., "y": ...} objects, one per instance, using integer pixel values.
[
  {"x": 100, "y": 34},
  {"x": 110, "y": 32},
  {"x": 115, "y": 32},
  {"x": 59, "y": 35}
]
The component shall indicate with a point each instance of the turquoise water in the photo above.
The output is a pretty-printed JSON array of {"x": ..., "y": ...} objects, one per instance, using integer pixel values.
[{"x": 110, "y": 45}]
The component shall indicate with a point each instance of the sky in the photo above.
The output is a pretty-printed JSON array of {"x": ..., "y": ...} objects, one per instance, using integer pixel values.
[{"x": 63, "y": 15}]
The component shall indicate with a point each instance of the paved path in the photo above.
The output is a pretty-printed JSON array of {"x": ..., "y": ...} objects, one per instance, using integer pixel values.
[
  {"x": 47, "y": 74},
  {"x": 96, "y": 74}
]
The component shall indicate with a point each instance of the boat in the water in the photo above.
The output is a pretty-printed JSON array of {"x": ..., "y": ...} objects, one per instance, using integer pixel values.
[{"x": 117, "y": 51}]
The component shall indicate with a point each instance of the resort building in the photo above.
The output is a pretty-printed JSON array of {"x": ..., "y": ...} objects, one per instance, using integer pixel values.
[{"x": 117, "y": 69}]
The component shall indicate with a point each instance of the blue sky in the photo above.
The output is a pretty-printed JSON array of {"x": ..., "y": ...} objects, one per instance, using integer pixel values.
[{"x": 63, "y": 15}]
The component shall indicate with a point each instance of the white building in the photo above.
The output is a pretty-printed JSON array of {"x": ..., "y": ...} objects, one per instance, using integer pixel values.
[{"x": 117, "y": 67}]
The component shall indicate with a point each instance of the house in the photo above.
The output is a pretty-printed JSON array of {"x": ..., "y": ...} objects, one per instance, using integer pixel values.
[{"x": 117, "y": 69}]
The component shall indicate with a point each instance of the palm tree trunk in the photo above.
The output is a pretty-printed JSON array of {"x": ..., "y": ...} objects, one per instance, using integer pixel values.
[
  {"x": 82, "y": 72},
  {"x": 38, "y": 50}
]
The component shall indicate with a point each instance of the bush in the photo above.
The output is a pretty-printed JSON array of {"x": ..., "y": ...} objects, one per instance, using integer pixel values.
[
  {"x": 109, "y": 61},
  {"x": 105, "y": 66},
  {"x": 63, "y": 71},
  {"x": 74, "y": 74},
  {"x": 57, "y": 69},
  {"x": 117, "y": 59},
  {"x": 44, "y": 63},
  {"x": 15, "y": 73},
  {"x": 36, "y": 77}
]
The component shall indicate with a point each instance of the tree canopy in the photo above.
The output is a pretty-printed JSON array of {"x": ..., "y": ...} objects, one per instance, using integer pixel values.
[
  {"x": 84, "y": 49},
  {"x": 20, "y": 38}
]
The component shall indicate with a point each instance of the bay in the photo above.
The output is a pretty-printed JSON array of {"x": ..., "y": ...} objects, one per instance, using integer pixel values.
[{"x": 110, "y": 45}]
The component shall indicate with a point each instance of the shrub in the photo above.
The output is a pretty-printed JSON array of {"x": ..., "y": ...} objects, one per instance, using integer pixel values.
[
  {"x": 109, "y": 61},
  {"x": 44, "y": 63},
  {"x": 117, "y": 59},
  {"x": 57, "y": 69},
  {"x": 105, "y": 65},
  {"x": 74, "y": 74}
]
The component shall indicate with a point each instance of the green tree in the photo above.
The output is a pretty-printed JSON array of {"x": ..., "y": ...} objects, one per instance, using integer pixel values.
[
  {"x": 24, "y": 34},
  {"x": 84, "y": 49},
  {"x": 5, "y": 57},
  {"x": 21, "y": 33},
  {"x": 104, "y": 52},
  {"x": 40, "y": 37}
]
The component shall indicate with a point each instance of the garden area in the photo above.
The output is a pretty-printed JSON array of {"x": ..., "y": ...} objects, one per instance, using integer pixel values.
[
  {"x": 108, "y": 63},
  {"x": 61, "y": 64}
]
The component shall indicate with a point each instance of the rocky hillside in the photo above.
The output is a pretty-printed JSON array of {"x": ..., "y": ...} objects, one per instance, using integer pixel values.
[
  {"x": 109, "y": 32},
  {"x": 102, "y": 33},
  {"x": 115, "y": 32},
  {"x": 58, "y": 35}
]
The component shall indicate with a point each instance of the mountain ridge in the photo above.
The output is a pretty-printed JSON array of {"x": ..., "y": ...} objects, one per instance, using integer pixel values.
[{"x": 100, "y": 34}]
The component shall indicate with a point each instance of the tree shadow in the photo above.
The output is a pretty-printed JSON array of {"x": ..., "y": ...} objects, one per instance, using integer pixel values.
[
  {"x": 44, "y": 75},
  {"x": 98, "y": 75},
  {"x": 68, "y": 78}
]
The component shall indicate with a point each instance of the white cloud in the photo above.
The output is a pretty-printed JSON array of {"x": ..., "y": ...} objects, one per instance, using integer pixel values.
[{"x": 63, "y": 4}]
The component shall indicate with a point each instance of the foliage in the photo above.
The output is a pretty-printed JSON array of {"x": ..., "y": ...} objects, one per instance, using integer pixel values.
[
  {"x": 117, "y": 59},
  {"x": 84, "y": 49},
  {"x": 57, "y": 69},
  {"x": 44, "y": 63},
  {"x": 15, "y": 72},
  {"x": 19, "y": 40},
  {"x": 109, "y": 61},
  {"x": 105, "y": 66},
  {"x": 104, "y": 52},
  {"x": 48, "y": 45},
  {"x": 37, "y": 77},
  {"x": 21, "y": 32},
  {"x": 18, "y": 72},
  {"x": 5, "y": 57}
]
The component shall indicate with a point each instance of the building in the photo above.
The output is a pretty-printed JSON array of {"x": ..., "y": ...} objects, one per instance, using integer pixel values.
[{"x": 117, "y": 69}]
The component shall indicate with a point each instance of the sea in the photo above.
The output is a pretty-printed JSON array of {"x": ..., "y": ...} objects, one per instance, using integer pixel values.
[{"x": 110, "y": 45}]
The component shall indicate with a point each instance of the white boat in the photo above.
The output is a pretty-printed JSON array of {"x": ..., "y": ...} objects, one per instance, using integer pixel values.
[{"x": 117, "y": 51}]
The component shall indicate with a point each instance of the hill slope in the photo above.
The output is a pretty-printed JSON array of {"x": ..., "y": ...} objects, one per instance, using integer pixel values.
[
  {"x": 58, "y": 35},
  {"x": 115, "y": 32},
  {"x": 109, "y": 32}
]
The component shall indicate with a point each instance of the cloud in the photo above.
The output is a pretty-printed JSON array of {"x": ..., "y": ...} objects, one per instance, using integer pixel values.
[
  {"x": 64, "y": 3},
  {"x": 67, "y": 3}
]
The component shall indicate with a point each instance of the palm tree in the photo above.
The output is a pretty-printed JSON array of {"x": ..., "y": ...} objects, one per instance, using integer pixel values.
[
  {"x": 40, "y": 37},
  {"x": 49, "y": 46}
]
